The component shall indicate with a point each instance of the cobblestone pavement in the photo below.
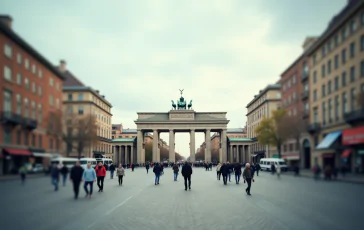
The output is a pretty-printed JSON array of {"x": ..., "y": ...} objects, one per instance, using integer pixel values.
[{"x": 285, "y": 203}]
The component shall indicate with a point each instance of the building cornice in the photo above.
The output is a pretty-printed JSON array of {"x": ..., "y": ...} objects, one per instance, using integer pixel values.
[
  {"x": 75, "y": 89},
  {"x": 265, "y": 90},
  {"x": 86, "y": 102},
  {"x": 264, "y": 102}
]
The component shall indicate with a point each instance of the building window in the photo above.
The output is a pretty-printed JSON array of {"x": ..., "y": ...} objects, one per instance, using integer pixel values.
[
  {"x": 26, "y": 138},
  {"x": 26, "y": 64},
  {"x": 7, "y": 135},
  {"x": 279, "y": 96},
  {"x": 294, "y": 96},
  {"x": 343, "y": 56},
  {"x": 352, "y": 99},
  {"x": 344, "y": 34},
  {"x": 7, "y": 101},
  {"x": 18, "y": 79},
  {"x": 343, "y": 79},
  {"x": 362, "y": 43},
  {"x": 34, "y": 69},
  {"x": 314, "y": 77},
  {"x": 323, "y": 70},
  {"x": 33, "y": 140},
  {"x": 18, "y": 58},
  {"x": 323, "y": 89},
  {"x": 34, "y": 110},
  {"x": 70, "y": 109},
  {"x": 329, "y": 46},
  {"x": 80, "y": 96},
  {"x": 57, "y": 103},
  {"x": 336, "y": 61},
  {"x": 34, "y": 88},
  {"x": 51, "y": 82},
  {"x": 324, "y": 113},
  {"x": 336, "y": 40},
  {"x": 26, "y": 82},
  {"x": 315, "y": 95},
  {"x": 329, "y": 67},
  {"x": 323, "y": 51},
  {"x": 26, "y": 108},
  {"x": 315, "y": 115},
  {"x": 353, "y": 26},
  {"x": 7, "y": 73},
  {"x": 51, "y": 100},
  {"x": 40, "y": 91},
  {"x": 40, "y": 113},
  {"x": 336, "y": 83},
  {"x": 314, "y": 58},
  {"x": 352, "y": 74},
  {"x": 80, "y": 110},
  {"x": 8, "y": 51},
  {"x": 329, "y": 89},
  {"x": 294, "y": 79},
  {"x": 18, "y": 137},
  {"x": 70, "y": 97},
  {"x": 50, "y": 143},
  {"x": 337, "y": 107},
  {"x": 344, "y": 104},
  {"x": 40, "y": 141},
  {"x": 40, "y": 73},
  {"x": 18, "y": 104},
  {"x": 352, "y": 49}
]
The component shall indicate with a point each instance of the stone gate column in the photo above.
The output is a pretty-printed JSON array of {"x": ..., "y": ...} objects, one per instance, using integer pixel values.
[
  {"x": 238, "y": 153},
  {"x": 208, "y": 145},
  {"x": 155, "y": 145},
  {"x": 223, "y": 146},
  {"x": 140, "y": 141},
  {"x": 172, "y": 156},
  {"x": 132, "y": 157},
  {"x": 127, "y": 154},
  {"x": 230, "y": 153},
  {"x": 192, "y": 146}
]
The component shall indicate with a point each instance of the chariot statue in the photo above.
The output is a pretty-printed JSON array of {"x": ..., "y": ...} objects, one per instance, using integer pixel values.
[{"x": 181, "y": 103}]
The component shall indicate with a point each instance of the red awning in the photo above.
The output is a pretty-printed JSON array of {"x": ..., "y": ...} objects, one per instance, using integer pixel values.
[
  {"x": 346, "y": 153},
  {"x": 18, "y": 152}
]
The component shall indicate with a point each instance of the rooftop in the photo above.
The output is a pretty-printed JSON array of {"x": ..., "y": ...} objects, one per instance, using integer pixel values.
[
  {"x": 261, "y": 92},
  {"x": 123, "y": 140},
  {"x": 240, "y": 139}
]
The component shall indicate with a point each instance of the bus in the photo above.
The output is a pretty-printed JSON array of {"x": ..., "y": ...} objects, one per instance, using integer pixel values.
[
  {"x": 67, "y": 161},
  {"x": 85, "y": 161}
]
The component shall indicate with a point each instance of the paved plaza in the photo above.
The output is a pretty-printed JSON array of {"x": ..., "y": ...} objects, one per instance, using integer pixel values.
[{"x": 286, "y": 203}]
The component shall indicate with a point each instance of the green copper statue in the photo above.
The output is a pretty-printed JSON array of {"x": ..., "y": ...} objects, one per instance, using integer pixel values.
[{"x": 181, "y": 103}]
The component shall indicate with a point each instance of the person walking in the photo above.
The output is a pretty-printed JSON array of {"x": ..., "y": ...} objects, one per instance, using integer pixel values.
[
  {"x": 157, "y": 171},
  {"x": 23, "y": 173},
  {"x": 218, "y": 172},
  {"x": 112, "y": 170},
  {"x": 230, "y": 170},
  {"x": 237, "y": 171},
  {"x": 100, "y": 173},
  {"x": 175, "y": 171},
  {"x": 76, "y": 178},
  {"x": 55, "y": 176},
  {"x": 132, "y": 167},
  {"x": 186, "y": 173},
  {"x": 64, "y": 172},
  {"x": 257, "y": 168},
  {"x": 278, "y": 170},
  {"x": 89, "y": 176},
  {"x": 248, "y": 177},
  {"x": 224, "y": 172},
  {"x": 120, "y": 172},
  {"x": 147, "y": 166}
]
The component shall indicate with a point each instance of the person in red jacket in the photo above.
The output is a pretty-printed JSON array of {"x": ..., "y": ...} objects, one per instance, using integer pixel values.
[{"x": 100, "y": 173}]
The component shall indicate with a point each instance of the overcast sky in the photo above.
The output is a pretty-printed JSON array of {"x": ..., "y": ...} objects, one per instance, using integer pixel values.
[{"x": 139, "y": 53}]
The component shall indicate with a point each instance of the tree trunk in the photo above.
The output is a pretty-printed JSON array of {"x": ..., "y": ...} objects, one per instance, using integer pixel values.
[{"x": 279, "y": 151}]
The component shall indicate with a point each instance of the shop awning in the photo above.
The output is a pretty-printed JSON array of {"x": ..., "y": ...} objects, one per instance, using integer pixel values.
[
  {"x": 291, "y": 157},
  {"x": 346, "y": 153},
  {"x": 329, "y": 140},
  {"x": 18, "y": 152},
  {"x": 42, "y": 155}
]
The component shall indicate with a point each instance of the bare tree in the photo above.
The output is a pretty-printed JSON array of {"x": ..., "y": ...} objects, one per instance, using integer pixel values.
[
  {"x": 59, "y": 128},
  {"x": 85, "y": 132}
]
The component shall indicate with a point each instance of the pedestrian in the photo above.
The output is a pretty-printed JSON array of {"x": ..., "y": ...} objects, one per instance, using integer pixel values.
[
  {"x": 55, "y": 176},
  {"x": 64, "y": 172},
  {"x": 112, "y": 170},
  {"x": 162, "y": 169},
  {"x": 23, "y": 173},
  {"x": 89, "y": 176},
  {"x": 230, "y": 170},
  {"x": 278, "y": 170},
  {"x": 147, "y": 167},
  {"x": 257, "y": 168},
  {"x": 248, "y": 177},
  {"x": 218, "y": 172},
  {"x": 76, "y": 178},
  {"x": 132, "y": 167},
  {"x": 175, "y": 171},
  {"x": 272, "y": 168},
  {"x": 100, "y": 173},
  {"x": 237, "y": 170},
  {"x": 186, "y": 173},
  {"x": 224, "y": 172},
  {"x": 120, "y": 172},
  {"x": 157, "y": 171}
]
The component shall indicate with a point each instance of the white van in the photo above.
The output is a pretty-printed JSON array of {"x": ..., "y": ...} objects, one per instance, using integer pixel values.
[
  {"x": 85, "y": 161},
  {"x": 265, "y": 163},
  {"x": 67, "y": 161},
  {"x": 105, "y": 161}
]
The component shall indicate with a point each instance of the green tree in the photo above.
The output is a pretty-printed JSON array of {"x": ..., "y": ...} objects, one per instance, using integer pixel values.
[{"x": 271, "y": 131}]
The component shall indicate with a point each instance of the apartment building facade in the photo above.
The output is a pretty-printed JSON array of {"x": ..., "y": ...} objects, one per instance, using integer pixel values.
[
  {"x": 119, "y": 132},
  {"x": 336, "y": 78},
  {"x": 80, "y": 100},
  {"x": 30, "y": 87},
  {"x": 263, "y": 104}
]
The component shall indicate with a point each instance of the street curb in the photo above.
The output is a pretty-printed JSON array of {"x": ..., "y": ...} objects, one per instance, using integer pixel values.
[
  {"x": 337, "y": 180},
  {"x": 4, "y": 178}
]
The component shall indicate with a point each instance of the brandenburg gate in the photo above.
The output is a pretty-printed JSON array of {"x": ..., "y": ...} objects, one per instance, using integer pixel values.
[{"x": 181, "y": 118}]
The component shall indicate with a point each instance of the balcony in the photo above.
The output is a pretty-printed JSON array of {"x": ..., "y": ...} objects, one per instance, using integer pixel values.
[
  {"x": 9, "y": 118},
  {"x": 314, "y": 127},
  {"x": 354, "y": 117},
  {"x": 29, "y": 123},
  {"x": 305, "y": 95},
  {"x": 305, "y": 75}
]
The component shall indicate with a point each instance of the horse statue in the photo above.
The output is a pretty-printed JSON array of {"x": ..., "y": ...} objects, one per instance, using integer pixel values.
[
  {"x": 173, "y": 105},
  {"x": 190, "y": 105},
  {"x": 181, "y": 103}
]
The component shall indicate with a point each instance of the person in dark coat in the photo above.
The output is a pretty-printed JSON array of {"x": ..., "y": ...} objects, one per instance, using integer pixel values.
[
  {"x": 76, "y": 178},
  {"x": 248, "y": 176},
  {"x": 64, "y": 172},
  {"x": 112, "y": 170},
  {"x": 186, "y": 173},
  {"x": 157, "y": 169},
  {"x": 147, "y": 167},
  {"x": 132, "y": 167},
  {"x": 175, "y": 171},
  {"x": 230, "y": 167},
  {"x": 237, "y": 171},
  {"x": 55, "y": 176},
  {"x": 257, "y": 168},
  {"x": 224, "y": 172}
]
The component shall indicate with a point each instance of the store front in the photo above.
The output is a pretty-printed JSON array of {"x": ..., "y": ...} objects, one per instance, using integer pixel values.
[
  {"x": 257, "y": 156},
  {"x": 353, "y": 155},
  {"x": 327, "y": 152},
  {"x": 14, "y": 158}
]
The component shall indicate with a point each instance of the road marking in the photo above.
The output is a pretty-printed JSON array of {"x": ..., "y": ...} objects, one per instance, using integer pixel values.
[{"x": 119, "y": 205}]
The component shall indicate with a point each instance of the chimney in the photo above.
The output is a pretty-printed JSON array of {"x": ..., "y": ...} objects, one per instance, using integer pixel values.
[
  {"x": 63, "y": 66},
  {"x": 103, "y": 96},
  {"x": 6, "y": 20},
  {"x": 97, "y": 91}
]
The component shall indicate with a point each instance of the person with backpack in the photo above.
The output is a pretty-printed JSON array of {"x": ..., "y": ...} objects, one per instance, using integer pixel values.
[{"x": 186, "y": 173}]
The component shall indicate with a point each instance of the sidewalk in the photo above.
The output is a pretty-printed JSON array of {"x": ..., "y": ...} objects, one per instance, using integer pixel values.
[
  {"x": 17, "y": 177},
  {"x": 349, "y": 178}
]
